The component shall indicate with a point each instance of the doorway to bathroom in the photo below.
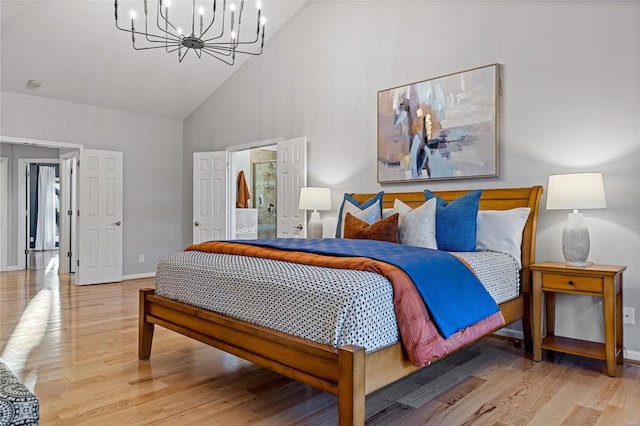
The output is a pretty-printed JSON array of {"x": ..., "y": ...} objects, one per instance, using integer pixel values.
[
  {"x": 228, "y": 197},
  {"x": 257, "y": 200}
]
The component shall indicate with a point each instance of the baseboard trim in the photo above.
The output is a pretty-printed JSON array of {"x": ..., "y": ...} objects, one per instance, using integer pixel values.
[
  {"x": 514, "y": 334},
  {"x": 138, "y": 276},
  {"x": 12, "y": 268},
  {"x": 632, "y": 355}
]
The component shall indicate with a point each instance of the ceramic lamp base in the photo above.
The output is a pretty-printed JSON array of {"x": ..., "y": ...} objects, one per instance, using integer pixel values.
[
  {"x": 314, "y": 228},
  {"x": 575, "y": 241}
]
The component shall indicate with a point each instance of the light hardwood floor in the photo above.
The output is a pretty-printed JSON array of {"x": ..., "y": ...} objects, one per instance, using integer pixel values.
[{"x": 76, "y": 347}]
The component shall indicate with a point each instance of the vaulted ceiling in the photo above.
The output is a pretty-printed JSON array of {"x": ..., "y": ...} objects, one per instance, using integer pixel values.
[{"x": 75, "y": 50}]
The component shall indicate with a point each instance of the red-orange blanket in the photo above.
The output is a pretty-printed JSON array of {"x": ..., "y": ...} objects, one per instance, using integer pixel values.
[{"x": 419, "y": 334}]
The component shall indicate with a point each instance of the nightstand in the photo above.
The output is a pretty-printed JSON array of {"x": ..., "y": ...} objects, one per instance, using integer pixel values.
[{"x": 603, "y": 281}]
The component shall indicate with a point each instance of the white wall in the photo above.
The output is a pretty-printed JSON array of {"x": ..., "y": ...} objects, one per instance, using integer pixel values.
[
  {"x": 151, "y": 150},
  {"x": 570, "y": 103}
]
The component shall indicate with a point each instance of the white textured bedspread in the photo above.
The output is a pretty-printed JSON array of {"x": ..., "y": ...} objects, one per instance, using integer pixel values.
[{"x": 332, "y": 306}]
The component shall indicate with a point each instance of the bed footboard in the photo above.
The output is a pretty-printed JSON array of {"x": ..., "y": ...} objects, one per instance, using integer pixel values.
[{"x": 340, "y": 372}]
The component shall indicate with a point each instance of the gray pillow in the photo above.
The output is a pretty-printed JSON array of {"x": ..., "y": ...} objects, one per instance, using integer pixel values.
[{"x": 417, "y": 227}]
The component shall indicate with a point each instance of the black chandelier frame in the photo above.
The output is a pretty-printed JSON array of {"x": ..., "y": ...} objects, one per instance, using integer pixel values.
[{"x": 172, "y": 39}]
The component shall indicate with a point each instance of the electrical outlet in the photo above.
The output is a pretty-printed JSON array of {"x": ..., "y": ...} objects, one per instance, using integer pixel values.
[
  {"x": 141, "y": 258},
  {"x": 629, "y": 315}
]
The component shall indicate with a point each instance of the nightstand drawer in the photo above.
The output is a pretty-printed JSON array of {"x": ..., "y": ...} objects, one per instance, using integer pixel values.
[{"x": 572, "y": 283}]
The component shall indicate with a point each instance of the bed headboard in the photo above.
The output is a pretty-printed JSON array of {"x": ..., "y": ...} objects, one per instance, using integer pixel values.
[{"x": 491, "y": 199}]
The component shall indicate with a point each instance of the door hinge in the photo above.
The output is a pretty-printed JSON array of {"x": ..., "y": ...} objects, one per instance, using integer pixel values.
[
  {"x": 26, "y": 251},
  {"x": 78, "y": 213},
  {"x": 78, "y": 263},
  {"x": 68, "y": 254},
  {"x": 70, "y": 212}
]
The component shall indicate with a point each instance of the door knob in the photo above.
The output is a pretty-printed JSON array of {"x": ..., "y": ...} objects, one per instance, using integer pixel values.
[
  {"x": 196, "y": 224},
  {"x": 299, "y": 227},
  {"x": 118, "y": 223}
]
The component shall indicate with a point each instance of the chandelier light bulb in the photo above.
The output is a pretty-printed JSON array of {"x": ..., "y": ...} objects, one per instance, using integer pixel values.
[
  {"x": 263, "y": 20},
  {"x": 167, "y": 3},
  {"x": 133, "y": 14},
  {"x": 232, "y": 7},
  {"x": 179, "y": 31},
  {"x": 201, "y": 10},
  {"x": 233, "y": 35},
  {"x": 259, "y": 4}
]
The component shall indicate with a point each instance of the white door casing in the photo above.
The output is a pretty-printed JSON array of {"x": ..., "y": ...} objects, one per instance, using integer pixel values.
[
  {"x": 24, "y": 206},
  {"x": 292, "y": 175},
  {"x": 100, "y": 185},
  {"x": 210, "y": 196}
]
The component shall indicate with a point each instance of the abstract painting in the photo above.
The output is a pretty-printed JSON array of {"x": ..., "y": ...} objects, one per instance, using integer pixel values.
[{"x": 442, "y": 128}]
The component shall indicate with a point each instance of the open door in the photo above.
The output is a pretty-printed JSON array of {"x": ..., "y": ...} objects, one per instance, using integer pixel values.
[
  {"x": 100, "y": 185},
  {"x": 213, "y": 191},
  {"x": 292, "y": 175},
  {"x": 210, "y": 197},
  {"x": 68, "y": 212}
]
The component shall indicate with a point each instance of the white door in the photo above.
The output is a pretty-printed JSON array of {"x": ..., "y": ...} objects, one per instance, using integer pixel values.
[
  {"x": 68, "y": 212},
  {"x": 210, "y": 198},
  {"x": 292, "y": 175},
  {"x": 99, "y": 217}
]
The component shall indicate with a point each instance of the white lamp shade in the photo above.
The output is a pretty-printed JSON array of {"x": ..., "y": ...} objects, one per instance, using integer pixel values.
[
  {"x": 313, "y": 198},
  {"x": 576, "y": 191}
]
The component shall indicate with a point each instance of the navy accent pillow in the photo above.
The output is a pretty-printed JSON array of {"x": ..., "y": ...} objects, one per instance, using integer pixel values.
[
  {"x": 349, "y": 199},
  {"x": 456, "y": 221}
]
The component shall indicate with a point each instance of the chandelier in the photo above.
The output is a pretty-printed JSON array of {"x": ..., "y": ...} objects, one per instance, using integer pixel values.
[{"x": 173, "y": 38}]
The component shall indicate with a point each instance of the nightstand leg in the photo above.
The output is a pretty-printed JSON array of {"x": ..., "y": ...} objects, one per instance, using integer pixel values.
[
  {"x": 550, "y": 319},
  {"x": 619, "y": 326},
  {"x": 536, "y": 315},
  {"x": 610, "y": 320},
  {"x": 550, "y": 312}
]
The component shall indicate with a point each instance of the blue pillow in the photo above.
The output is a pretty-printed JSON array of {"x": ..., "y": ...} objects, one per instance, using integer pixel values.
[
  {"x": 349, "y": 199},
  {"x": 456, "y": 221}
]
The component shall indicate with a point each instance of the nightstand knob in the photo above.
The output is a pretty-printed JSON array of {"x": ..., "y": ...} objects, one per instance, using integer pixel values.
[{"x": 570, "y": 282}]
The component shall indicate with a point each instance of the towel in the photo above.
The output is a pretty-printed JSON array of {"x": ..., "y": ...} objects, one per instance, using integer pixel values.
[{"x": 243, "y": 195}]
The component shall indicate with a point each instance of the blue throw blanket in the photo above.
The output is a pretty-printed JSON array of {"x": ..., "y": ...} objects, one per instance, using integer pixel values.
[{"x": 453, "y": 295}]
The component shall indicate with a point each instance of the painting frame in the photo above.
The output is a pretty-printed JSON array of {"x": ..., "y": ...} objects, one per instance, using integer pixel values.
[{"x": 441, "y": 128}]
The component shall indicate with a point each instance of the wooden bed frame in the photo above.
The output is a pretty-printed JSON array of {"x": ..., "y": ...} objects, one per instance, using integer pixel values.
[{"x": 346, "y": 372}]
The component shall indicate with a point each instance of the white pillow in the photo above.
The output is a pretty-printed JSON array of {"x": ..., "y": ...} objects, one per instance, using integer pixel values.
[
  {"x": 417, "y": 227},
  {"x": 370, "y": 214},
  {"x": 501, "y": 230}
]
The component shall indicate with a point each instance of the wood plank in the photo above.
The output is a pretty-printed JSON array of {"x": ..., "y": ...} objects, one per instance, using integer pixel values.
[{"x": 582, "y": 416}]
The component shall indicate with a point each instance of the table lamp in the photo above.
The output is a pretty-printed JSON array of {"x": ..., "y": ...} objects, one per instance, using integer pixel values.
[
  {"x": 573, "y": 192},
  {"x": 313, "y": 198}
]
